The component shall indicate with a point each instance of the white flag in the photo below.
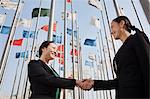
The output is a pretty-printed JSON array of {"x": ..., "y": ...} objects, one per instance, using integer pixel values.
[
  {"x": 92, "y": 56},
  {"x": 9, "y": 5},
  {"x": 2, "y": 18},
  {"x": 95, "y": 22},
  {"x": 95, "y": 3},
  {"x": 25, "y": 23},
  {"x": 69, "y": 16}
]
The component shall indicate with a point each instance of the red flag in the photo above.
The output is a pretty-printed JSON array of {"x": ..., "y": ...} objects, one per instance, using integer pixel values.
[
  {"x": 61, "y": 61},
  {"x": 60, "y": 54},
  {"x": 75, "y": 52},
  {"x": 69, "y": 1},
  {"x": 45, "y": 27},
  {"x": 17, "y": 42},
  {"x": 61, "y": 58},
  {"x": 54, "y": 26},
  {"x": 60, "y": 48}
]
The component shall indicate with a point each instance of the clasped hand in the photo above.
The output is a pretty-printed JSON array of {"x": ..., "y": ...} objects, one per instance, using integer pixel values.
[{"x": 85, "y": 84}]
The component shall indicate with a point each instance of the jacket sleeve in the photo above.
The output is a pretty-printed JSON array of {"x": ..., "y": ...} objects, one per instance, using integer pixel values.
[
  {"x": 105, "y": 84},
  {"x": 142, "y": 48},
  {"x": 37, "y": 74}
]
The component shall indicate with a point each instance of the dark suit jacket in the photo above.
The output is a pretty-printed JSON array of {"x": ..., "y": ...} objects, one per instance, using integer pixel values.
[
  {"x": 44, "y": 82},
  {"x": 132, "y": 69}
]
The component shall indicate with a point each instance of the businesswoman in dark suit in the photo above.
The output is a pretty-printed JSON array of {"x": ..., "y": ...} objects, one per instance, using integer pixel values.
[
  {"x": 131, "y": 63},
  {"x": 45, "y": 82}
]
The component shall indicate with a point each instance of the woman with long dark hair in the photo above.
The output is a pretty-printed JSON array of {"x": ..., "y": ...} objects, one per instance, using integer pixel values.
[{"x": 131, "y": 63}]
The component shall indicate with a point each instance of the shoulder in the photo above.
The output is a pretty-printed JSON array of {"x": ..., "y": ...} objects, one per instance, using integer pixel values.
[
  {"x": 141, "y": 36},
  {"x": 33, "y": 62}
]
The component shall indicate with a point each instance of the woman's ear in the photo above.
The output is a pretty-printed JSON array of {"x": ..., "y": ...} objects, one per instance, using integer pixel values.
[
  {"x": 122, "y": 23},
  {"x": 43, "y": 49}
]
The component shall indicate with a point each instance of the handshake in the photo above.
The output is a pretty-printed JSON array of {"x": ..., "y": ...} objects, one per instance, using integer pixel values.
[{"x": 86, "y": 84}]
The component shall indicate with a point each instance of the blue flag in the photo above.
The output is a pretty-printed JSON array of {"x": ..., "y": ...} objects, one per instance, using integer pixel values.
[
  {"x": 5, "y": 30},
  {"x": 90, "y": 42},
  {"x": 22, "y": 54},
  {"x": 69, "y": 32},
  {"x": 27, "y": 34},
  {"x": 32, "y": 34},
  {"x": 88, "y": 63},
  {"x": 57, "y": 39},
  {"x": 18, "y": 55}
]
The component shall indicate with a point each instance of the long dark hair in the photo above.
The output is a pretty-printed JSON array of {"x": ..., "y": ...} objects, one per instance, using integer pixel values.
[{"x": 128, "y": 25}]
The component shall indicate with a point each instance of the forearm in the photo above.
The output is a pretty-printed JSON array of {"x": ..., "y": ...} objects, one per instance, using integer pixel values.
[{"x": 105, "y": 84}]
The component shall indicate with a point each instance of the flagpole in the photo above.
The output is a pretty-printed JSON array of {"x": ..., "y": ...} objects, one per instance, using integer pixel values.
[
  {"x": 17, "y": 65},
  {"x": 100, "y": 37},
  {"x": 15, "y": 79},
  {"x": 81, "y": 69},
  {"x": 51, "y": 19},
  {"x": 1, "y": 30},
  {"x": 107, "y": 45},
  {"x": 73, "y": 50},
  {"x": 116, "y": 7},
  {"x": 78, "y": 53},
  {"x": 25, "y": 78},
  {"x": 8, "y": 46},
  {"x": 98, "y": 69},
  {"x": 65, "y": 40},
  {"x": 137, "y": 15},
  {"x": 36, "y": 32},
  {"x": 108, "y": 25}
]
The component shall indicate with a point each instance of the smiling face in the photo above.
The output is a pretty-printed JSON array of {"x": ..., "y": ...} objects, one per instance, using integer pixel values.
[{"x": 50, "y": 51}]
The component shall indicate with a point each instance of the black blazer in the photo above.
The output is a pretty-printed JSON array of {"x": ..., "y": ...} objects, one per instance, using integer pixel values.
[
  {"x": 132, "y": 69},
  {"x": 44, "y": 81}
]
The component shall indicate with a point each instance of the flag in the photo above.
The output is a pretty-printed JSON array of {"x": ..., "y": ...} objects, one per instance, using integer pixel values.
[
  {"x": 22, "y": 54},
  {"x": 10, "y": 5},
  {"x": 61, "y": 58},
  {"x": 95, "y": 3},
  {"x": 2, "y": 18},
  {"x": 95, "y": 22},
  {"x": 69, "y": 32},
  {"x": 27, "y": 34},
  {"x": 5, "y": 30},
  {"x": 45, "y": 27},
  {"x": 69, "y": 16},
  {"x": 57, "y": 38},
  {"x": 90, "y": 42},
  {"x": 44, "y": 12},
  {"x": 92, "y": 56},
  {"x": 60, "y": 48},
  {"x": 17, "y": 42},
  {"x": 60, "y": 54},
  {"x": 88, "y": 63},
  {"x": 18, "y": 55},
  {"x": 54, "y": 26},
  {"x": 32, "y": 34},
  {"x": 69, "y": 1},
  {"x": 61, "y": 68},
  {"x": 25, "y": 23},
  {"x": 75, "y": 52}
]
